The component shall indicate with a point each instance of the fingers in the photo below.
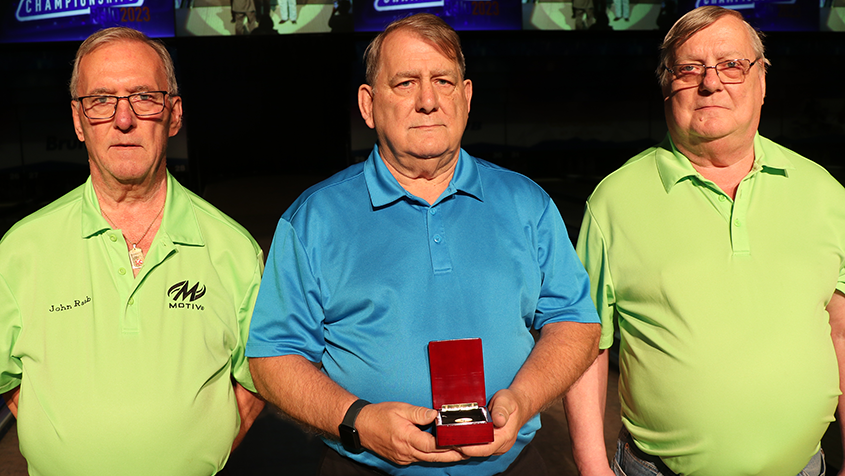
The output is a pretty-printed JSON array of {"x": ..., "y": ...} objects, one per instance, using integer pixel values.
[
  {"x": 391, "y": 430},
  {"x": 503, "y": 412},
  {"x": 422, "y": 415},
  {"x": 502, "y": 406},
  {"x": 500, "y": 416}
]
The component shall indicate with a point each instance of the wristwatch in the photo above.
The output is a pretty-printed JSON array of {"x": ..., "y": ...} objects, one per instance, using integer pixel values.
[{"x": 348, "y": 433}]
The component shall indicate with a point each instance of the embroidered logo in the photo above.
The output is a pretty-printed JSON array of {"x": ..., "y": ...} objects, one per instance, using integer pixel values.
[
  {"x": 183, "y": 291},
  {"x": 69, "y": 305}
]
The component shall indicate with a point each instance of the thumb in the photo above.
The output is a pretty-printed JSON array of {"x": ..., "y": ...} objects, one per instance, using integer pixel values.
[
  {"x": 499, "y": 415},
  {"x": 503, "y": 406},
  {"x": 422, "y": 415}
]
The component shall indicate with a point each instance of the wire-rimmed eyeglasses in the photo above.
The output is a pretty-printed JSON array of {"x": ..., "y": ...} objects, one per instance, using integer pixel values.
[
  {"x": 146, "y": 103},
  {"x": 729, "y": 72}
]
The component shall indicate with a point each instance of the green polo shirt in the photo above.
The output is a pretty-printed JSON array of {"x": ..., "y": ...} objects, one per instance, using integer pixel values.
[
  {"x": 727, "y": 366},
  {"x": 124, "y": 375}
]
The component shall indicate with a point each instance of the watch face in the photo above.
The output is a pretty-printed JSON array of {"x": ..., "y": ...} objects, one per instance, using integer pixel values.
[{"x": 349, "y": 438}]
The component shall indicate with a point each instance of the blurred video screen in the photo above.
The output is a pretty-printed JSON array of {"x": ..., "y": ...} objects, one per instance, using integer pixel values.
[{"x": 75, "y": 20}]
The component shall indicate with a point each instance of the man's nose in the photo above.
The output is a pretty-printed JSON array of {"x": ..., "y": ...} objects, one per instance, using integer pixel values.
[
  {"x": 124, "y": 116},
  {"x": 710, "y": 79},
  {"x": 427, "y": 98}
]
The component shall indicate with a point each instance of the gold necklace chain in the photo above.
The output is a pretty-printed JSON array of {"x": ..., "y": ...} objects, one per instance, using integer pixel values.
[{"x": 136, "y": 255}]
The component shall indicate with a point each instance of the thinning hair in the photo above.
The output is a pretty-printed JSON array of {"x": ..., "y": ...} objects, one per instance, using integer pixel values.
[
  {"x": 695, "y": 21},
  {"x": 115, "y": 34},
  {"x": 430, "y": 28}
]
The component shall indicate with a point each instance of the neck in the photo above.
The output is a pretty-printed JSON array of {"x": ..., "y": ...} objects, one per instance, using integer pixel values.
[
  {"x": 424, "y": 178},
  {"x": 119, "y": 192},
  {"x": 137, "y": 215},
  {"x": 723, "y": 163}
]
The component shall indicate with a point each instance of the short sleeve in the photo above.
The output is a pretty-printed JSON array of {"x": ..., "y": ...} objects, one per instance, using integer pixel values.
[
  {"x": 565, "y": 291},
  {"x": 592, "y": 249},
  {"x": 240, "y": 367},
  {"x": 288, "y": 317},
  {"x": 10, "y": 327}
]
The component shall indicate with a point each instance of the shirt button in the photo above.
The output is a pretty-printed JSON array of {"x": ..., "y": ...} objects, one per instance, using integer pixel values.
[
  {"x": 112, "y": 237},
  {"x": 737, "y": 222},
  {"x": 433, "y": 211},
  {"x": 722, "y": 198},
  {"x": 122, "y": 270},
  {"x": 437, "y": 239},
  {"x": 131, "y": 301}
]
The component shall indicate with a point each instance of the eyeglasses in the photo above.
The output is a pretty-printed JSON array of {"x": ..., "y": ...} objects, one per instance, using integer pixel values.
[
  {"x": 147, "y": 103},
  {"x": 729, "y": 72}
]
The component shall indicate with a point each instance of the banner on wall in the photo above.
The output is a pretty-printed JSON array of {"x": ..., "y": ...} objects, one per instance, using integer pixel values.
[{"x": 75, "y": 20}]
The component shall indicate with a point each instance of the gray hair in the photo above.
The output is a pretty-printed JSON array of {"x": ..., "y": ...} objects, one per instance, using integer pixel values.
[
  {"x": 429, "y": 27},
  {"x": 695, "y": 21},
  {"x": 111, "y": 35}
]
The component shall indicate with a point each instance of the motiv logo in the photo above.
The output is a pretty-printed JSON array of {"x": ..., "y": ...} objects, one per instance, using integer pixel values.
[
  {"x": 183, "y": 291},
  {"x": 43, "y": 9}
]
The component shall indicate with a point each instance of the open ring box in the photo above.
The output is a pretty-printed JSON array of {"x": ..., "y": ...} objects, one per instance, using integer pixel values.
[{"x": 458, "y": 393}]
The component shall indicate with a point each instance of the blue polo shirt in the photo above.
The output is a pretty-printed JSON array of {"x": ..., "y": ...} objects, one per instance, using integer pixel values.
[{"x": 361, "y": 275}]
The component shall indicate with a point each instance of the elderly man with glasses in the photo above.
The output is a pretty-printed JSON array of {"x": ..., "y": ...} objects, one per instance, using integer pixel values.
[
  {"x": 125, "y": 304},
  {"x": 719, "y": 255}
]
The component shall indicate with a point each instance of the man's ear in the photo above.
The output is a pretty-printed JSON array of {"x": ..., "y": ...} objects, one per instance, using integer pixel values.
[
  {"x": 175, "y": 115},
  {"x": 365, "y": 104},
  {"x": 77, "y": 120},
  {"x": 468, "y": 92}
]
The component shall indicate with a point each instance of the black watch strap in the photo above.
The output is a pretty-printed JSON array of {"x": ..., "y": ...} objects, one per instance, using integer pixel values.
[{"x": 348, "y": 434}]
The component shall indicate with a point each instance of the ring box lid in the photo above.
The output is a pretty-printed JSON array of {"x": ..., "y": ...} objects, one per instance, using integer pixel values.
[{"x": 457, "y": 372}]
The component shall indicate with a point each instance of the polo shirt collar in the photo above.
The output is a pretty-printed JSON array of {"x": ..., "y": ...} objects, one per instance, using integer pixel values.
[
  {"x": 384, "y": 189},
  {"x": 673, "y": 166},
  {"x": 179, "y": 224}
]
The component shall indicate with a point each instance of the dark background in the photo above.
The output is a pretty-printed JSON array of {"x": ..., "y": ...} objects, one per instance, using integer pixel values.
[
  {"x": 267, "y": 116},
  {"x": 553, "y": 105}
]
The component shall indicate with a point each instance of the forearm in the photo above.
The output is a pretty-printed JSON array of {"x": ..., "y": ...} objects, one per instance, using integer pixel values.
[
  {"x": 11, "y": 398},
  {"x": 249, "y": 407},
  {"x": 836, "y": 312},
  {"x": 585, "y": 406},
  {"x": 563, "y": 352},
  {"x": 389, "y": 429},
  {"x": 300, "y": 390}
]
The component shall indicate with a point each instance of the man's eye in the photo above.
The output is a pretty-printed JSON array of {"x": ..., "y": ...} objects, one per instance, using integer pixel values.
[
  {"x": 101, "y": 100},
  {"x": 144, "y": 97},
  {"x": 732, "y": 64},
  {"x": 404, "y": 84},
  {"x": 687, "y": 68}
]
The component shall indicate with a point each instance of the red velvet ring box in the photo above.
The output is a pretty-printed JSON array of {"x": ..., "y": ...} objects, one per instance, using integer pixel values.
[{"x": 457, "y": 388}]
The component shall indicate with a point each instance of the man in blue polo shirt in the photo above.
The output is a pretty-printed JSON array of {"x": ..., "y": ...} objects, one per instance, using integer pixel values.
[{"x": 421, "y": 242}]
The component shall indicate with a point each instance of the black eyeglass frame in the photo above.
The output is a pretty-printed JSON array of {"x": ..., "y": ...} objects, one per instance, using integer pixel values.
[
  {"x": 714, "y": 68},
  {"x": 163, "y": 104}
]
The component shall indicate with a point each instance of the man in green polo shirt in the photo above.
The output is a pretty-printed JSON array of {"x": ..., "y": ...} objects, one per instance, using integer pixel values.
[
  {"x": 125, "y": 304},
  {"x": 719, "y": 254}
]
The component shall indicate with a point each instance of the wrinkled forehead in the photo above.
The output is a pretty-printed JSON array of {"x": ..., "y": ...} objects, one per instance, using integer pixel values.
[
  {"x": 123, "y": 58},
  {"x": 725, "y": 36},
  {"x": 397, "y": 44}
]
